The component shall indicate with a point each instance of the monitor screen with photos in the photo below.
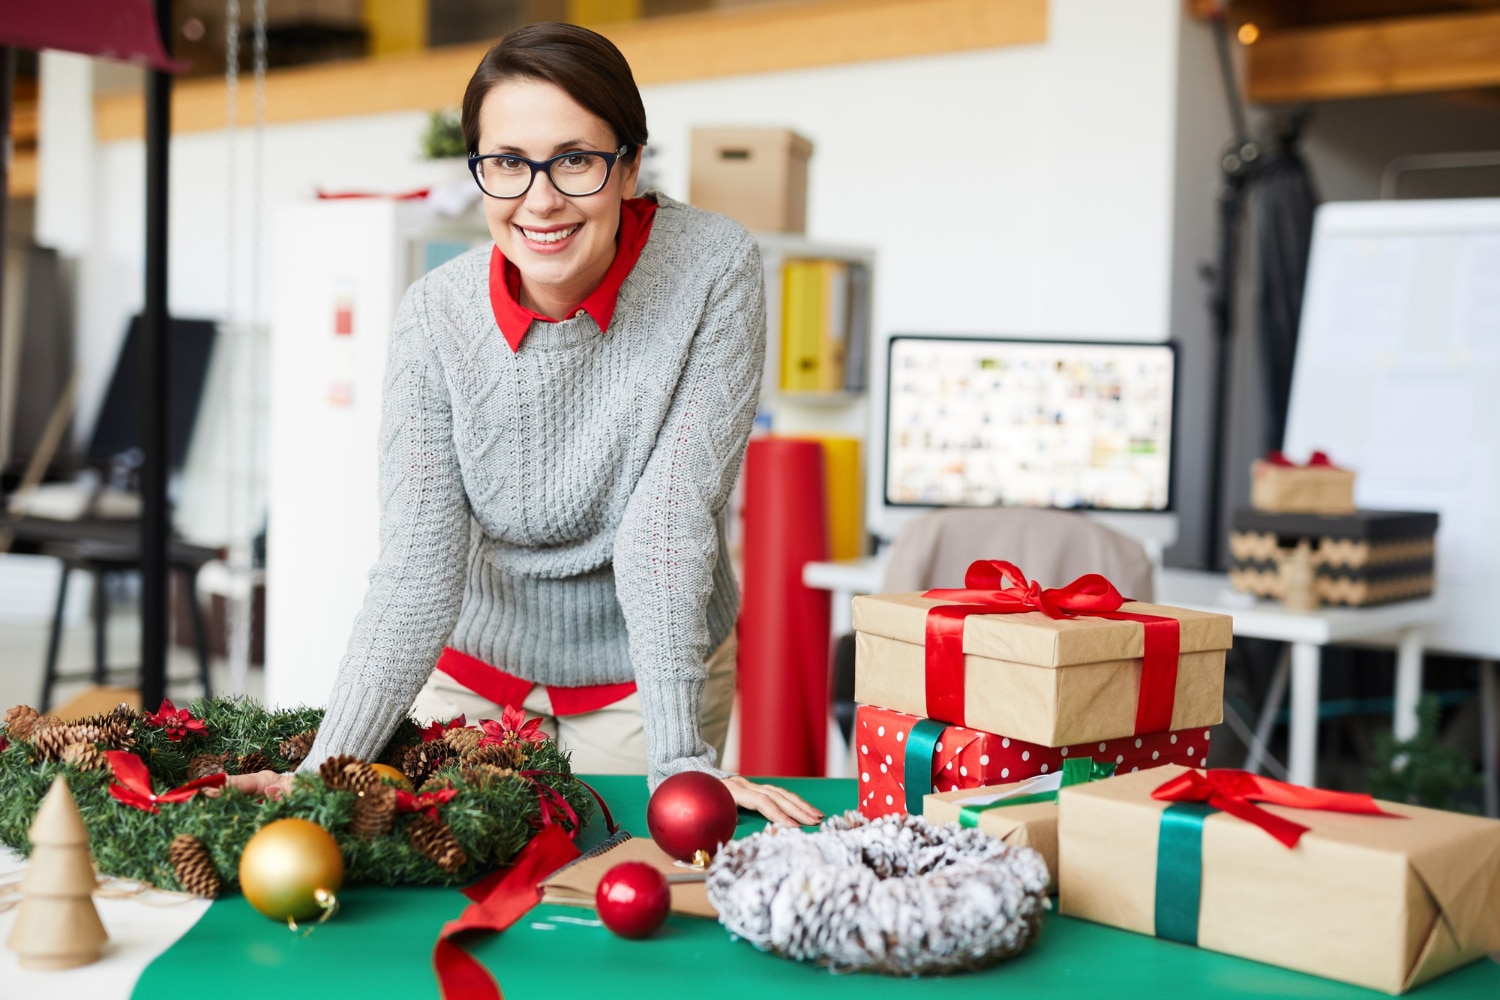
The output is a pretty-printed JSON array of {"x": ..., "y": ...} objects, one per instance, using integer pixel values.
[{"x": 979, "y": 422}]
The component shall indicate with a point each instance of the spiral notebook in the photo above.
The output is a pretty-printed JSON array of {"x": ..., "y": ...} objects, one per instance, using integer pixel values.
[{"x": 574, "y": 883}]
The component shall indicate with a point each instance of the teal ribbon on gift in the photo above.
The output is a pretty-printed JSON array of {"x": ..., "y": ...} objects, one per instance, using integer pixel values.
[
  {"x": 1179, "y": 870},
  {"x": 921, "y": 755},
  {"x": 1076, "y": 771}
]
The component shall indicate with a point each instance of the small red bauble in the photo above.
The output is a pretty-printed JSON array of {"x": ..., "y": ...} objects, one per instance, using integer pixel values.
[
  {"x": 691, "y": 812},
  {"x": 633, "y": 899}
]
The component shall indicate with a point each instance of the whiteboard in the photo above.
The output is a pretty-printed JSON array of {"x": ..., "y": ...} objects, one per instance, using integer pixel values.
[{"x": 1398, "y": 376}]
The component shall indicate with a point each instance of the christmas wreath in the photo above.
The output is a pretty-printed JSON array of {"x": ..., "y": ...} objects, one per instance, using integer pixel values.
[
  {"x": 896, "y": 895},
  {"x": 443, "y": 804}
]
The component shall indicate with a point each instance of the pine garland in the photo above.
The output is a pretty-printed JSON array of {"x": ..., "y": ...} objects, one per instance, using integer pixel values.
[{"x": 490, "y": 820}]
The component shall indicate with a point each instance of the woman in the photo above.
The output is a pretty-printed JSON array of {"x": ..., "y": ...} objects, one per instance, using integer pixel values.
[{"x": 565, "y": 414}]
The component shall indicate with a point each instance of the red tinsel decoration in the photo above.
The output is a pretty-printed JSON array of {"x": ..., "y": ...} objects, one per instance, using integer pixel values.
[{"x": 178, "y": 722}]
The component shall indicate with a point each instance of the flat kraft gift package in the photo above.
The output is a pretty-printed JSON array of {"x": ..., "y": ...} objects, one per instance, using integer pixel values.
[
  {"x": 1053, "y": 667},
  {"x": 1377, "y": 894},
  {"x": 1319, "y": 487},
  {"x": 892, "y": 747}
]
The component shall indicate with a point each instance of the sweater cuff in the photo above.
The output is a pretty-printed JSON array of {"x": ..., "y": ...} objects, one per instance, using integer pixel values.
[
  {"x": 360, "y": 720},
  {"x": 670, "y": 709}
]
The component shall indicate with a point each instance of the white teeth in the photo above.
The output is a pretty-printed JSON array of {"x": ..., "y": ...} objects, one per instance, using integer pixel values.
[{"x": 552, "y": 237}]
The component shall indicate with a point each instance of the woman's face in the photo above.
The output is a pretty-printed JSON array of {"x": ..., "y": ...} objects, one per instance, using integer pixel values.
[{"x": 562, "y": 246}]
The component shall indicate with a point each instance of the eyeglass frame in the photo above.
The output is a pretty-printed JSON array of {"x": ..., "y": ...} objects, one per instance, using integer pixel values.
[{"x": 545, "y": 166}]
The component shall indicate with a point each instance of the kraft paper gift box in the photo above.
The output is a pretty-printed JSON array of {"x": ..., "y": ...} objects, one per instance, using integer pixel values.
[
  {"x": 1278, "y": 487},
  {"x": 890, "y": 745},
  {"x": 1385, "y": 902},
  {"x": 1053, "y": 682}
]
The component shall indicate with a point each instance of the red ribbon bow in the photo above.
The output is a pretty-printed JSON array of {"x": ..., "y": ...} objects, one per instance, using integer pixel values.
[
  {"x": 1318, "y": 459},
  {"x": 1236, "y": 793},
  {"x": 1090, "y": 595},
  {"x": 134, "y": 783},
  {"x": 426, "y": 802}
]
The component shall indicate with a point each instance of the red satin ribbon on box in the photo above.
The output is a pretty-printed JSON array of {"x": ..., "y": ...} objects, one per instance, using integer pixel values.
[
  {"x": 1236, "y": 793},
  {"x": 1318, "y": 459},
  {"x": 1091, "y": 595},
  {"x": 133, "y": 783}
]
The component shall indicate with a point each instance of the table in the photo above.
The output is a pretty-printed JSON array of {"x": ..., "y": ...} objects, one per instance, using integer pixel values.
[{"x": 1307, "y": 632}]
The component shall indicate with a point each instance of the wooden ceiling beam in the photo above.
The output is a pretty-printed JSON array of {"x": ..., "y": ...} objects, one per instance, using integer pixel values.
[{"x": 1398, "y": 56}]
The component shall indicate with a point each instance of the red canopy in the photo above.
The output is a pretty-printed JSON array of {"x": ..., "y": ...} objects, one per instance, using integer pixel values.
[{"x": 114, "y": 29}]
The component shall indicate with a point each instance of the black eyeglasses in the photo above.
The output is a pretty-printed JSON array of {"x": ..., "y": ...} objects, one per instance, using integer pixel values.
[{"x": 576, "y": 174}]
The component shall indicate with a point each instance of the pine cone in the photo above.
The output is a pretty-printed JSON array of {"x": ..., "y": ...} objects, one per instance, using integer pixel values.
[
  {"x": 204, "y": 764},
  {"x": 431, "y": 836},
  {"x": 116, "y": 732},
  {"x": 423, "y": 759},
  {"x": 294, "y": 749},
  {"x": 193, "y": 867},
  {"x": 84, "y": 756},
  {"x": 347, "y": 773},
  {"x": 85, "y": 731},
  {"x": 20, "y": 720},
  {"x": 498, "y": 755},
  {"x": 374, "y": 812},
  {"x": 126, "y": 712},
  {"x": 51, "y": 741},
  {"x": 437, "y": 783},
  {"x": 485, "y": 775},
  {"x": 254, "y": 761},
  {"x": 463, "y": 740}
]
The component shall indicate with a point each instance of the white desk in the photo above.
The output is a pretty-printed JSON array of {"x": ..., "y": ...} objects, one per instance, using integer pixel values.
[{"x": 1307, "y": 632}]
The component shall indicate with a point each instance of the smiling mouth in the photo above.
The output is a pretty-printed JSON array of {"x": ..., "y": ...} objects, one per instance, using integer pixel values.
[{"x": 555, "y": 236}]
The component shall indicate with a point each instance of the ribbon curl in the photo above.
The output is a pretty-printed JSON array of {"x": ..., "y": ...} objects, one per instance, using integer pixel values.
[
  {"x": 133, "y": 783},
  {"x": 1091, "y": 595}
]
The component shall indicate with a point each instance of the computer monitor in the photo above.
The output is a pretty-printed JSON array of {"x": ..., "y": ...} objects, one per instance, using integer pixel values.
[{"x": 986, "y": 421}]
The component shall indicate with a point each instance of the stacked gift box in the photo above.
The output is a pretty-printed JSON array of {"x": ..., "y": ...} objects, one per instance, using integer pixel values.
[{"x": 1023, "y": 692}]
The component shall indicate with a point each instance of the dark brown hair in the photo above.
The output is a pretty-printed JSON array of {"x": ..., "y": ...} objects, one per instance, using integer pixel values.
[{"x": 583, "y": 63}]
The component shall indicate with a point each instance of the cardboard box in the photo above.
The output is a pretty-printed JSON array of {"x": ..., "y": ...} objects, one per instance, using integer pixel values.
[
  {"x": 1046, "y": 681},
  {"x": 1381, "y": 902},
  {"x": 966, "y": 758},
  {"x": 1301, "y": 489},
  {"x": 1028, "y": 824},
  {"x": 756, "y": 176},
  {"x": 1358, "y": 559}
]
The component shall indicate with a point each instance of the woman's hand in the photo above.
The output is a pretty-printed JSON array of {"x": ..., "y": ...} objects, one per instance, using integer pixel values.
[
  {"x": 268, "y": 783},
  {"x": 776, "y": 804}
]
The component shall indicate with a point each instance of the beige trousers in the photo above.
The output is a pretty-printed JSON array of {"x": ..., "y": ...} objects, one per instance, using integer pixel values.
[{"x": 611, "y": 740}]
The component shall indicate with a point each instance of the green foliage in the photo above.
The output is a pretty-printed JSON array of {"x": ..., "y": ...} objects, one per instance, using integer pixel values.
[
  {"x": 1422, "y": 771},
  {"x": 443, "y": 137},
  {"x": 492, "y": 822}
]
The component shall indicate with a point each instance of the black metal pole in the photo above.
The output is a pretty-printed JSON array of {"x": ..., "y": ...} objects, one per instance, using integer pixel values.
[{"x": 155, "y": 517}]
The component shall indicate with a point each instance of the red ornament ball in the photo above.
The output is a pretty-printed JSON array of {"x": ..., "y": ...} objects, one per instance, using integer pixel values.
[
  {"x": 633, "y": 899},
  {"x": 691, "y": 812}
]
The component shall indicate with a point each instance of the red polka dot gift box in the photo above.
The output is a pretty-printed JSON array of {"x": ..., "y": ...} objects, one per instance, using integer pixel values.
[
  {"x": 1055, "y": 668},
  {"x": 890, "y": 746}
]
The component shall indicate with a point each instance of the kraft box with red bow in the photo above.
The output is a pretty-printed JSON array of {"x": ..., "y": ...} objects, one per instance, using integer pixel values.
[
  {"x": 1378, "y": 894},
  {"x": 1076, "y": 664},
  {"x": 1279, "y": 486},
  {"x": 891, "y": 746}
]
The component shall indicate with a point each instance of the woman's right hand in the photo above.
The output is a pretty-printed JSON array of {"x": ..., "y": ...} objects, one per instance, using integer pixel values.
[{"x": 270, "y": 784}]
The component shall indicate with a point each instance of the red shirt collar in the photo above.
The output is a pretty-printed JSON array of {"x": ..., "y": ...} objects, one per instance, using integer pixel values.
[{"x": 514, "y": 319}]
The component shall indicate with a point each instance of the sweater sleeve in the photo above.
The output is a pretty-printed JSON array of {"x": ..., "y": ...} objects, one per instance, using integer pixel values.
[
  {"x": 416, "y": 586},
  {"x": 667, "y": 543}
]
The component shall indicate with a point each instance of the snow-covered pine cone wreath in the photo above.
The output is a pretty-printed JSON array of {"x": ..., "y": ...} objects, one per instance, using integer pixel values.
[{"x": 896, "y": 895}]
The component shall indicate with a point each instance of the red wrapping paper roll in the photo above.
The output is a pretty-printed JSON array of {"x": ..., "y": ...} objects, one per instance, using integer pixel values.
[{"x": 783, "y": 627}]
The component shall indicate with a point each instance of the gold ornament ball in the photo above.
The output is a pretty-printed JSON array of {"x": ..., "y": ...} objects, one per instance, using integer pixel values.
[
  {"x": 286, "y": 864},
  {"x": 388, "y": 773}
]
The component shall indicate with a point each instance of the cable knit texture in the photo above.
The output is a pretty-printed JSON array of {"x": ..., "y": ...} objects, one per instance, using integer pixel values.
[{"x": 558, "y": 511}]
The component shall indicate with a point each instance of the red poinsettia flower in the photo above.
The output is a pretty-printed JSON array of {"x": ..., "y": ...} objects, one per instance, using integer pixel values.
[
  {"x": 178, "y": 722},
  {"x": 513, "y": 727},
  {"x": 436, "y": 730}
]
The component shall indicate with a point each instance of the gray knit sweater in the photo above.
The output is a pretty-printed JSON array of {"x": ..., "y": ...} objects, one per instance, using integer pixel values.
[{"x": 558, "y": 511}]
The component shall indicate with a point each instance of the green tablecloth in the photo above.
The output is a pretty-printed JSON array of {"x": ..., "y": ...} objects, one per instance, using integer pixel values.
[{"x": 380, "y": 945}]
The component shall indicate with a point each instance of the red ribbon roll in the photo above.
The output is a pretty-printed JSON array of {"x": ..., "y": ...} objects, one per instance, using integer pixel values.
[
  {"x": 1236, "y": 793},
  {"x": 1091, "y": 595}
]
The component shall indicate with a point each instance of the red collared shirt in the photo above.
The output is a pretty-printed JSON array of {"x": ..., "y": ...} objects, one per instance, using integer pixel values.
[{"x": 514, "y": 319}]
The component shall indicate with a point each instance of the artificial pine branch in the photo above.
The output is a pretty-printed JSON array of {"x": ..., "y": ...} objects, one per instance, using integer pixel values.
[{"x": 1422, "y": 771}]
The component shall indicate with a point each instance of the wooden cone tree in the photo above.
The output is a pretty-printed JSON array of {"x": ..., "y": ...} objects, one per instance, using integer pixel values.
[{"x": 57, "y": 926}]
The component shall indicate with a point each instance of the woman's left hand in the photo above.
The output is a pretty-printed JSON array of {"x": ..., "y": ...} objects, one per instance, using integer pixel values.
[{"x": 776, "y": 804}]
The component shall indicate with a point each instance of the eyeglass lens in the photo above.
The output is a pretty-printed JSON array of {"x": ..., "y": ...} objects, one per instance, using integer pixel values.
[{"x": 574, "y": 174}]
